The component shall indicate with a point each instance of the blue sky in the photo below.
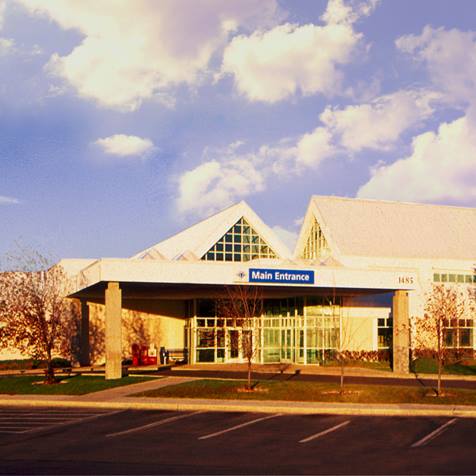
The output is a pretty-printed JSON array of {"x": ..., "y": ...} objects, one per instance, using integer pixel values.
[{"x": 122, "y": 122}]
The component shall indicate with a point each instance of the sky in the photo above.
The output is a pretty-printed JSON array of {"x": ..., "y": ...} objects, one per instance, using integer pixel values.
[{"x": 123, "y": 122}]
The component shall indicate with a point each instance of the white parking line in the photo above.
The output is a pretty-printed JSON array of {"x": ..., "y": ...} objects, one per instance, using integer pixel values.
[
  {"x": 32, "y": 422},
  {"x": 242, "y": 425},
  {"x": 324, "y": 432},
  {"x": 153, "y": 424},
  {"x": 433, "y": 434}
]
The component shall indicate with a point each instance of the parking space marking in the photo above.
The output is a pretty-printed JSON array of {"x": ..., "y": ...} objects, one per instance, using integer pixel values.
[
  {"x": 324, "y": 432},
  {"x": 153, "y": 424},
  {"x": 237, "y": 427},
  {"x": 426, "y": 439},
  {"x": 29, "y": 422}
]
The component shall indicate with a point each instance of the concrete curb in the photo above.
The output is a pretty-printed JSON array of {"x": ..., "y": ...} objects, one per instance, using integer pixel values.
[{"x": 253, "y": 406}]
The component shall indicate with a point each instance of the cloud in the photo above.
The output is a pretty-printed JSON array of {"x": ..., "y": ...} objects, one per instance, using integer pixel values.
[
  {"x": 6, "y": 45},
  {"x": 122, "y": 145},
  {"x": 214, "y": 185},
  {"x": 348, "y": 12},
  {"x": 4, "y": 200},
  {"x": 450, "y": 58},
  {"x": 136, "y": 50},
  {"x": 442, "y": 166},
  {"x": 289, "y": 238},
  {"x": 273, "y": 65},
  {"x": 378, "y": 124}
]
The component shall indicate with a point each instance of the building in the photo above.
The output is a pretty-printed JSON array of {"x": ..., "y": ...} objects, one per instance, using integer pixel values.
[{"x": 359, "y": 270}]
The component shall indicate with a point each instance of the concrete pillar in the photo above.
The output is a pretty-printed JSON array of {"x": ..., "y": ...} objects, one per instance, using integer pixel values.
[
  {"x": 113, "y": 301},
  {"x": 401, "y": 332},
  {"x": 84, "y": 358}
]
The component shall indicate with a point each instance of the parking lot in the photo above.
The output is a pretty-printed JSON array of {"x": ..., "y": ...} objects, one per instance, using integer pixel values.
[{"x": 158, "y": 442}]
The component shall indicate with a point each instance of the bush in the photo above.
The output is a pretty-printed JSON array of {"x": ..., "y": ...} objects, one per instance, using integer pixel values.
[
  {"x": 60, "y": 362},
  {"x": 382, "y": 355}
]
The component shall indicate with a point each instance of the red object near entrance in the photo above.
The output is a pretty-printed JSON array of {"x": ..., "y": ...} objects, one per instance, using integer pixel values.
[{"x": 143, "y": 355}]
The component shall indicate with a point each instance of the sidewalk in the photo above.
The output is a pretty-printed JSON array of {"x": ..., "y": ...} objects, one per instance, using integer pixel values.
[{"x": 117, "y": 398}]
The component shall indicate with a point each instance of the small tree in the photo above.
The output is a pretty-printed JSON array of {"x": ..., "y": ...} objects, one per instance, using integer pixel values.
[
  {"x": 445, "y": 306},
  {"x": 244, "y": 304},
  {"x": 35, "y": 316}
]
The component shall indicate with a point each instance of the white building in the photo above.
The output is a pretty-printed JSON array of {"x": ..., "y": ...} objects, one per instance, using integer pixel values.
[{"x": 360, "y": 268}]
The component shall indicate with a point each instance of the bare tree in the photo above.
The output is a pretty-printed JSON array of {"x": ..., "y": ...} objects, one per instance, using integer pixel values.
[
  {"x": 35, "y": 316},
  {"x": 446, "y": 307},
  {"x": 244, "y": 304}
]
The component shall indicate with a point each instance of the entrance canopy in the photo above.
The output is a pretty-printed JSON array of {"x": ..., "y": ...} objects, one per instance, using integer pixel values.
[{"x": 186, "y": 278}]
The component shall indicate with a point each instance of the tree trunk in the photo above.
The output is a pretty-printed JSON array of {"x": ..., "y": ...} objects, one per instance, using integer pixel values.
[
  {"x": 439, "y": 376},
  {"x": 50, "y": 371},
  {"x": 249, "y": 374},
  {"x": 341, "y": 376}
]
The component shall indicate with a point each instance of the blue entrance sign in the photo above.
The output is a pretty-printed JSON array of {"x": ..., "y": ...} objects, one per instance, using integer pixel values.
[{"x": 281, "y": 276}]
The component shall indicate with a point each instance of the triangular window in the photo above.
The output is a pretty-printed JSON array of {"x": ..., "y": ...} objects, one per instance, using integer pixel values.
[
  {"x": 316, "y": 244},
  {"x": 239, "y": 243}
]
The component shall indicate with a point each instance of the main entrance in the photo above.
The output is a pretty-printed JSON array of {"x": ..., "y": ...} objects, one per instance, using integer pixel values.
[{"x": 294, "y": 330}]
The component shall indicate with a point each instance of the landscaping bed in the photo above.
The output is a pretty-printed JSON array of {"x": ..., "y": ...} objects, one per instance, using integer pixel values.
[
  {"x": 70, "y": 385},
  {"x": 311, "y": 392}
]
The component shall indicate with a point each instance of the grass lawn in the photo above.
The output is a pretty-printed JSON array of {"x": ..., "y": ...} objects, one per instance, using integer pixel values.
[
  {"x": 73, "y": 385},
  {"x": 383, "y": 365},
  {"x": 430, "y": 366},
  {"x": 311, "y": 392}
]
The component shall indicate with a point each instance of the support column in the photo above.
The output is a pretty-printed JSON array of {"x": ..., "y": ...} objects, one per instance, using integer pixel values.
[
  {"x": 401, "y": 332},
  {"x": 84, "y": 358},
  {"x": 113, "y": 301}
]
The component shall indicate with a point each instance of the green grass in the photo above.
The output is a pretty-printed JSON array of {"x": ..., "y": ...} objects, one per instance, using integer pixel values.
[
  {"x": 74, "y": 385},
  {"x": 311, "y": 392},
  {"x": 383, "y": 365},
  {"x": 430, "y": 366}
]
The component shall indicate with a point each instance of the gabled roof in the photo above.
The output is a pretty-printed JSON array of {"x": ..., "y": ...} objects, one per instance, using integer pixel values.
[
  {"x": 199, "y": 238},
  {"x": 375, "y": 228}
]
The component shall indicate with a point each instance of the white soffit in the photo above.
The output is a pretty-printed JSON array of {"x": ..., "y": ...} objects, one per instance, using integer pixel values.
[
  {"x": 376, "y": 228},
  {"x": 199, "y": 238}
]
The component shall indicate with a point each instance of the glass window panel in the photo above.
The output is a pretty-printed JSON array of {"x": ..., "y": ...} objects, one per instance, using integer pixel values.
[
  {"x": 460, "y": 278},
  {"x": 452, "y": 278},
  {"x": 237, "y": 257},
  {"x": 237, "y": 248},
  {"x": 228, "y": 257},
  {"x": 469, "y": 278},
  {"x": 228, "y": 247},
  {"x": 228, "y": 238},
  {"x": 219, "y": 256},
  {"x": 436, "y": 277},
  {"x": 219, "y": 247}
]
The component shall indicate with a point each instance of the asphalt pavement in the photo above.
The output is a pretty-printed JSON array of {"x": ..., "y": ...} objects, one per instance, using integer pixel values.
[{"x": 202, "y": 442}]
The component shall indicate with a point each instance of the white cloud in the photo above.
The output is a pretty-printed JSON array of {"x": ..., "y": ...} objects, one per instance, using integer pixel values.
[
  {"x": 314, "y": 147},
  {"x": 289, "y": 238},
  {"x": 442, "y": 166},
  {"x": 6, "y": 45},
  {"x": 122, "y": 145},
  {"x": 378, "y": 124},
  {"x": 136, "y": 50},
  {"x": 449, "y": 56},
  {"x": 273, "y": 65},
  {"x": 348, "y": 12},
  {"x": 4, "y": 200},
  {"x": 214, "y": 185}
]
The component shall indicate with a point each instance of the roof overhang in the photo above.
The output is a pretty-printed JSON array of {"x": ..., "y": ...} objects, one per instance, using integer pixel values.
[{"x": 204, "y": 273}]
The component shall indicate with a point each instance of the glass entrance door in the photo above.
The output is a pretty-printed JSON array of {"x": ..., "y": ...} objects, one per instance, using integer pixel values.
[{"x": 233, "y": 344}]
